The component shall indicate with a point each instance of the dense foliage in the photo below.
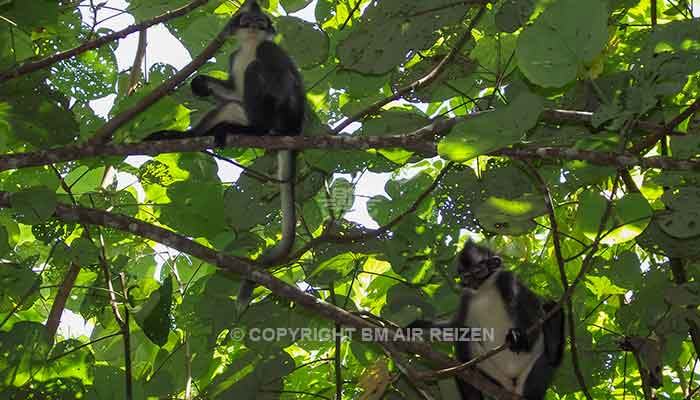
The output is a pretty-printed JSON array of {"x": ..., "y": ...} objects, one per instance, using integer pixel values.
[{"x": 562, "y": 133}]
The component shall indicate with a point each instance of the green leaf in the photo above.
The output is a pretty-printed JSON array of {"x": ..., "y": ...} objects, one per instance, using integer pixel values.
[
  {"x": 682, "y": 198},
  {"x": 145, "y": 9},
  {"x": 685, "y": 146},
  {"x": 631, "y": 215},
  {"x": 75, "y": 361},
  {"x": 493, "y": 130},
  {"x": 561, "y": 41},
  {"x": 626, "y": 271},
  {"x": 15, "y": 282},
  {"x": 306, "y": 44},
  {"x": 31, "y": 14},
  {"x": 89, "y": 76},
  {"x": 197, "y": 208},
  {"x": 292, "y": 6},
  {"x": 84, "y": 252},
  {"x": 39, "y": 114},
  {"x": 513, "y": 14},
  {"x": 341, "y": 197},
  {"x": 403, "y": 305},
  {"x": 682, "y": 295},
  {"x": 33, "y": 206},
  {"x": 489, "y": 51},
  {"x": 154, "y": 315},
  {"x": 333, "y": 269},
  {"x": 83, "y": 179},
  {"x": 24, "y": 349},
  {"x": 257, "y": 383},
  {"x": 601, "y": 286},
  {"x": 590, "y": 212},
  {"x": 386, "y": 35},
  {"x": 510, "y": 216},
  {"x": 682, "y": 224}
]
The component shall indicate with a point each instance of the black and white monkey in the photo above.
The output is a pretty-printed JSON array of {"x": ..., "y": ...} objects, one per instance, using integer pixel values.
[
  {"x": 263, "y": 95},
  {"x": 495, "y": 299}
]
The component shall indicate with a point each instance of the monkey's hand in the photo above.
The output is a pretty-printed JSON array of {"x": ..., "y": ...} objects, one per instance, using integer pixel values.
[
  {"x": 517, "y": 340},
  {"x": 200, "y": 86}
]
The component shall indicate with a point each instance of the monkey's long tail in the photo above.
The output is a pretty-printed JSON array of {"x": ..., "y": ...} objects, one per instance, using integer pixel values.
[{"x": 286, "y": 168}]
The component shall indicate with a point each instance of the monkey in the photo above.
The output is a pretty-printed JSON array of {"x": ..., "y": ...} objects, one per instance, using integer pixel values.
[
  {"x": 492, "y": 298},
  {"x": 263, "y": 95}
]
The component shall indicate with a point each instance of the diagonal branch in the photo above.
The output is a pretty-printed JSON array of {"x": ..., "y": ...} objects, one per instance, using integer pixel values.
[
  {"x": 276, "y": 286},
  {"x": 104, "y": 134},
  {"x": 668, "y": 128},
  {"x": 93, "y": 44}
]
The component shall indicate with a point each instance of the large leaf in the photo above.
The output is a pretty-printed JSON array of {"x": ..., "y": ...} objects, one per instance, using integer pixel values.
[
  {"x": 561, "y": 41},
  {"x": 493, "y": 130},
  {"x": 33, "y": 206},
  {"x": 154, "y": 315},
  {"x": 392, "y": 29}
]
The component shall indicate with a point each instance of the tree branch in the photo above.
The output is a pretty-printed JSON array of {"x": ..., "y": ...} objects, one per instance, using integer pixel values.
[
  {"x": 668, "y": 128},
  {"x": 544, "y": 189},
  {"x": 59, "y": 302},
  {"x": 104, "y": 134},
  {"x": 410, "y": 142},
  {"x": 43, "y": 63},
  {"x": 424, "y": 81},
  {"x": 420, "y": 141}
]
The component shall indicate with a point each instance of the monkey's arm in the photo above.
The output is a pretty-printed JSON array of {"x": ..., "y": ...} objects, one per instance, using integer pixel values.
[
  {"x": 524, "y": 308},
  {"x": 223, "y": 91}
]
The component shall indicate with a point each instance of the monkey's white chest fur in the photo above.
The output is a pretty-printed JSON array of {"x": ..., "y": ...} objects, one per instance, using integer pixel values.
[
  {"x": 488, "y": 312},
  {"x": 244, "y": 56}
]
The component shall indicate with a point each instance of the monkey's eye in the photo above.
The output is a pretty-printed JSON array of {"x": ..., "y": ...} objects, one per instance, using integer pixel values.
[{"x": 255, "y": 21}]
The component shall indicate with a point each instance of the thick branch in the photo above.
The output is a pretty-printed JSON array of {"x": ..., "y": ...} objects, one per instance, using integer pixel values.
[
  {"x": 59, "y": 302},
  {"x": 93, "y": 44},
  {"x": 276, "y": 286},
  {"x": 415, "y": 143}
]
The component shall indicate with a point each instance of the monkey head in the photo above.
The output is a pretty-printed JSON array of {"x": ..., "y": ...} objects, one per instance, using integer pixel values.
[{"x": 475, "y": 264}]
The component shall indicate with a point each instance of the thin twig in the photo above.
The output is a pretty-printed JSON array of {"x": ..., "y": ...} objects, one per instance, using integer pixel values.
[
  {"x": 127, "y": 343},
  {"x": 652, "y": 139},
  {"x": 424, "y": 81},
  {"x": 350, "y": 14}
]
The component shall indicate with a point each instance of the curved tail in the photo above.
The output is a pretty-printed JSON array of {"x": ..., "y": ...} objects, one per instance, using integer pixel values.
[
  {"x": 286, "y": 172},
  {"x": 286, "y": 168}
]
